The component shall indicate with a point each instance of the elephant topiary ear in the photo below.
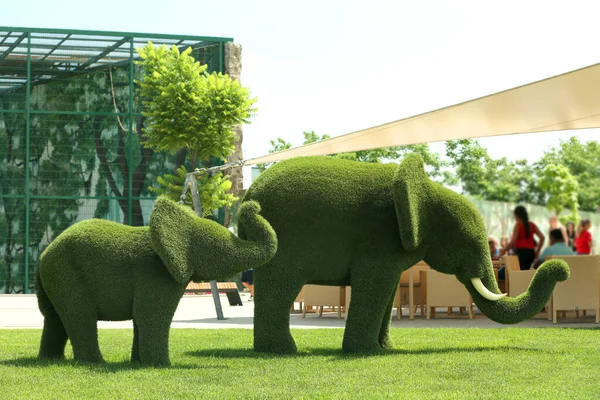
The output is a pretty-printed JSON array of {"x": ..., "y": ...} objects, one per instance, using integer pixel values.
[
  {"x": 171, "y": 234},
  {"x": 411, "y": 188}
]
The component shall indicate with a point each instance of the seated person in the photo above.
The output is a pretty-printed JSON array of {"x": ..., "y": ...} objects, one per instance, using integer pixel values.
[
  {"x": 248, "y": 282},
  {"x": 494, "y": 250},
  {"x": 495, "y": 253},
  {"x": 557, "y": 247}
]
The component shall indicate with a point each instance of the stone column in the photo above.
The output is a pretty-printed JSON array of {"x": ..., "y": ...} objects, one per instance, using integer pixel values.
[{"x": 233, "y": 68}]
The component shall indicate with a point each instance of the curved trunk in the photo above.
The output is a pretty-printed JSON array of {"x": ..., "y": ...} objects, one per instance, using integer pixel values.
[
  {"x": 509, "y": 310},
  {"x": 200, "y": 249},
  {"x": 235, "y": 255}
]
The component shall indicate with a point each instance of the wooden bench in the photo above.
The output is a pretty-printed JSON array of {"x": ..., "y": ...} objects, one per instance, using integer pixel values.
[{"x": 230, "y": 289}]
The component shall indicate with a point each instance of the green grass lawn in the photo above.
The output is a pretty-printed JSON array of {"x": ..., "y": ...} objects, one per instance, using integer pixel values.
[{"x": 427, "y": 363}]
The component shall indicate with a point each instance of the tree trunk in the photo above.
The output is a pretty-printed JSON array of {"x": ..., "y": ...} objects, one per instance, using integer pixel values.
[
  {"x": 7, "y": 254},
  {"x": 138, "y": 176}
]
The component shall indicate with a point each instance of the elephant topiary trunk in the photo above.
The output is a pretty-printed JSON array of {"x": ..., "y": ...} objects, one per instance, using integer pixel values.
[{"x": 102, "y": 270}]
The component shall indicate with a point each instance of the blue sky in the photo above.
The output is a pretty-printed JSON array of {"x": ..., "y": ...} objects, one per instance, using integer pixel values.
[{"x": 339, "y": 66}]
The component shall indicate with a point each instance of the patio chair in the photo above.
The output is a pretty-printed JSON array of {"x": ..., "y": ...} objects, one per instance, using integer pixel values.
[
  {"x": 442, "y": 290},
  {"x": 512, "y": 269},
  {"x": 517, "y": 281},
  {"x": 582, "y": 290},
  {"x": 323, "y": 296},
  {"x": 300, "y": 300},
  {"x": 402, "y": 292}
]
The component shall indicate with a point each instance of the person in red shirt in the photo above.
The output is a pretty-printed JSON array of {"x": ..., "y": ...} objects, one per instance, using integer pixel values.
[
  {"x": 583, "y": 241},
  {"x": 523, "y": 240}
]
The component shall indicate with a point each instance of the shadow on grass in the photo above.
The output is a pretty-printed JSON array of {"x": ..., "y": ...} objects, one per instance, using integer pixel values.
[
  {"x": 106, "y": 367},
  {"x": 339, "y": 354}
]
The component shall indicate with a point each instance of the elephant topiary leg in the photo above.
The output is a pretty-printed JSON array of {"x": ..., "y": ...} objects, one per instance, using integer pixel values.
[
  {"x": 385, "y": 341},
  {"x": 153, "y": 342},
  {"x": 274, "y": 298},
  {"x": 80, "y": 319},
  {"x": 152, "y": 321},
  {"x": 83, "y": 334},
  {"x": 370, "y": 305},
  {"x": 135, "y": 348},
  {"x": 54, "y": 338}
]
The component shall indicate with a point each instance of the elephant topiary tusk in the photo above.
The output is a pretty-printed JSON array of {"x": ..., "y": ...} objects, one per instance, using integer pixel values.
[{"x": 482, "y": 290}]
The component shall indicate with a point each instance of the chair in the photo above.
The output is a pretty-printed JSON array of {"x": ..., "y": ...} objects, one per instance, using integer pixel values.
[
  {"x": 442, "y": 290},
  {"x": 497, "y": 264},
  {"x": 300, "y": 300},
  {"x": 582, "y": 290},
  {"x": 511, "y": 270},
  {"x": 402, "y": 293},
  {"x": 517, "y": 281},
  {"x": 230, "y": 289},
  {"x": 323, "y": 296}
]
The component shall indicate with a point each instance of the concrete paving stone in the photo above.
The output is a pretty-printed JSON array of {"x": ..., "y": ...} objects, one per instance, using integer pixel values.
[{"x": 198, "y": 312}]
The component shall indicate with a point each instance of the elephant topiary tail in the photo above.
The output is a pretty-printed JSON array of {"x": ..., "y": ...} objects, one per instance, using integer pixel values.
[{"x": 45, "y": 305}]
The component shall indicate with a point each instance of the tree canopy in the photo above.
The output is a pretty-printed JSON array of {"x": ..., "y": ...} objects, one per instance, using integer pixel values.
[
  {"x": 566, "y": 177},
  {"x": 433, "y": 161},
  {"x": 188, "y": 110},
  {"x": 583, "y": 162},
  {"x": 561, "y": 187}
]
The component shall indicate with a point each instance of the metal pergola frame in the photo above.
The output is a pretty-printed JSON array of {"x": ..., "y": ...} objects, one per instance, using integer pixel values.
[
  {"x": 35, "y": 56},
  {"x": 60, "y": 53}
]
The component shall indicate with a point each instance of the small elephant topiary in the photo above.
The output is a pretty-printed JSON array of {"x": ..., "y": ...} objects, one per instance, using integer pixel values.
[
  {"x": 102, "y": 270},
  {"x": 341, "y": 222}
]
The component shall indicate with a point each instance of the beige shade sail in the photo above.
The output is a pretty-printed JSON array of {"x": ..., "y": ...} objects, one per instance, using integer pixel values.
[{"x": 564, "y": 102}]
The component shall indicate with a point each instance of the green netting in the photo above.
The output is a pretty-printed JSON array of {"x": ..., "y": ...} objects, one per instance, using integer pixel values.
[{"x": 70, "y": 132}]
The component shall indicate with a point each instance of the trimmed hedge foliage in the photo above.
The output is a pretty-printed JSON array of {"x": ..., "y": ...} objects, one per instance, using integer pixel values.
[
  {"x": 341, "y": 222},
  {"x": 102, "y": 270}
]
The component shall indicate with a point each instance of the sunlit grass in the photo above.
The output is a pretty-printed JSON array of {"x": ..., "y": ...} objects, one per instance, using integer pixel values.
[{"x": 426, "y": 363}]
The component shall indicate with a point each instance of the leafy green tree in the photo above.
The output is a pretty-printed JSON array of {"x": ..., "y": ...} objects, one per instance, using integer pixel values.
[
  {"x": 433, "y": 161},
  {"x": 12, "y": 209},
  {"x": 98, "y": 143},
  {"x": 212, "y": 189},
  {"x": 486, "y": 178},
  {"x": 479, "y": 175},
  {"x": 561, "y": 188},
  {"x": 277, "y": 145},
  {"x": 583, "y": 162},
  {"x": 188, "y": 109}
]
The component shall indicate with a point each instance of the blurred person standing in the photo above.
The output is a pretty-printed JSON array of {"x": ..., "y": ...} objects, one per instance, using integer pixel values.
[
  {"x": 583, "y": 240},
  {"x": 523, "y": 239},
  {"x": 571, "y": 235}
]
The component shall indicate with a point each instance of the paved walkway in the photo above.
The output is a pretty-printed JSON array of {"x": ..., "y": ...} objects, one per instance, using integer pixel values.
[{"x": 21, "y": 311}]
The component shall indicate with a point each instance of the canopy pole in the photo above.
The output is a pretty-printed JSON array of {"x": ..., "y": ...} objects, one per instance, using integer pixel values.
[{"x": 192, "y": 185}]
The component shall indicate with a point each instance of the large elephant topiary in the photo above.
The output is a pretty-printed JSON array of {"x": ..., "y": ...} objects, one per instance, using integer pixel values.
[
  {"x": 102, "y": 270},
  {"x": 342, "y": 222}
]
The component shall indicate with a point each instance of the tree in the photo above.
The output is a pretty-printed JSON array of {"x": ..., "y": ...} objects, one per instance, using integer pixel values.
[
  {"x": 277, "y": 145},
  {"x": 187, "y": 109},
  {"x": 491, "y": 179},
  {"x": 583, "y": 163},
  {"x": 561, "y": 188},
  {"x": 433, "y": 161},
  {"x": 94, "y": 146}
]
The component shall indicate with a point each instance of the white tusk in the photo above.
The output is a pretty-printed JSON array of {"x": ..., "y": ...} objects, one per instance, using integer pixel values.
[{"x": 484, "y": 291}]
